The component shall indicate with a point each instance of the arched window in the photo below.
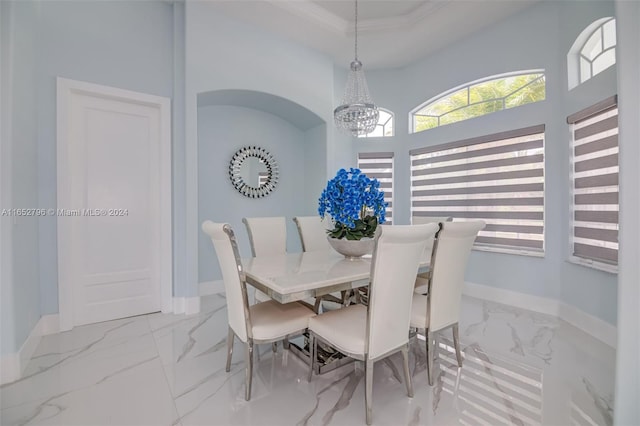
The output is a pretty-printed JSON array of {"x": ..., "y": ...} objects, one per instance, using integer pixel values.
[
  {"x": 593, "y": 51},
  {"x": 478, "y": 98},
  {"x": 384, "y": 128}
]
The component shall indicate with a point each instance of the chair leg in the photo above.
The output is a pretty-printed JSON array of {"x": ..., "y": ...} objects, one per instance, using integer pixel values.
[
  {"x": 248, "y": 372},
  {"x": 316, "y": 305},
  {"x": 407, "y": 374},
  {"x": 312, "y": 354},
  {"x": 368, "y": 387},
  {"x": 456, "y": 344},
  {"x": 230, "y": 337},
  {"x": 430, "y": 352}
]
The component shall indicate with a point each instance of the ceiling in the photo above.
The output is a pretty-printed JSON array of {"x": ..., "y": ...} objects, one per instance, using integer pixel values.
[{"x": 391, "y": 33}]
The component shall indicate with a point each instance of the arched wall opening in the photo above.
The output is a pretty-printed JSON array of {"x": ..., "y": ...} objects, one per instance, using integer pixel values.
[{"x": 297, "y": 137}]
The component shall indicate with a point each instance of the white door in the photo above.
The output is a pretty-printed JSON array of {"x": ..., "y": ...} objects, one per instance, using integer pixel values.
[{"x": 112, "y": 192}]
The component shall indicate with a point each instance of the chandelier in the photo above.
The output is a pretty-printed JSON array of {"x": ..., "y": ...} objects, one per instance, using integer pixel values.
[{"x": 357, "y": 114}]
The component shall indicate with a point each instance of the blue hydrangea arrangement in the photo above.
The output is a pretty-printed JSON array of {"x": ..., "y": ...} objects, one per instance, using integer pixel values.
[{"x": 355, "y": 203}]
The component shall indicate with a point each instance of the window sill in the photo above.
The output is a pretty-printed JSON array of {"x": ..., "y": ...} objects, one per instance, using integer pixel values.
[
  {"x": 588, "y": 263},
  {"x": 515, "y": 251}
]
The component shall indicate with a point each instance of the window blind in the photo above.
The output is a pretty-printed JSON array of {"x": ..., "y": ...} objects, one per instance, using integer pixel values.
[
  {"x": 379, "y": 165},
  {"x": 497, "y": 178},
  {"x": 594, "y": 177}
]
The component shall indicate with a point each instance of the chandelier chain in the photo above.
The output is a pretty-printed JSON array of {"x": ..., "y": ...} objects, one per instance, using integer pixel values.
[{"x": 356, "y": 30}]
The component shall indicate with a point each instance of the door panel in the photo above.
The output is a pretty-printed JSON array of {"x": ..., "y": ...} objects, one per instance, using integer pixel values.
[{"x": 114, "y": 153}]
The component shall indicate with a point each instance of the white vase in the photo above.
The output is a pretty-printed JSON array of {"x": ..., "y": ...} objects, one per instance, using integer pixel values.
[{"x": 352, "y": 248}]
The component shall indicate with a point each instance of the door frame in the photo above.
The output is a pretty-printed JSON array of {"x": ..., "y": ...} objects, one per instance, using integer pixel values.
[{"x": 66, "y": 88}]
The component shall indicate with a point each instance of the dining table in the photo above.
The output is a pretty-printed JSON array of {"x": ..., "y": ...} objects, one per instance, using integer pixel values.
[{"x": 295, "y": 277}]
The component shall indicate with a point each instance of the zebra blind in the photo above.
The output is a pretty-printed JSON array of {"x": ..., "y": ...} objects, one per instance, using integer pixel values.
[
  {"x": 496, "y": 178},
  {"x": 594, "y": 177},
  {"x": 379, "y": 165}
]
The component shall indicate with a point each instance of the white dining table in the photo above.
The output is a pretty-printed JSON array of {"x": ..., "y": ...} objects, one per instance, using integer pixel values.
[{"x": 298, "y": 276}]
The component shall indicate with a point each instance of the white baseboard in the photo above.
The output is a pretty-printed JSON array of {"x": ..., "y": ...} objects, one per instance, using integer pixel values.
[
  {"x": 590, "y": 324},
  {"x": 13, "y": 364},
  {"x": 594, "y": 326},
  {"x": 211, "y": 287},
  {"x": 9, "y": 368},
  {"x": 50, "y": 324},
  {"x": 186, "y": 305},
  {"x": 512, "y": 298}
]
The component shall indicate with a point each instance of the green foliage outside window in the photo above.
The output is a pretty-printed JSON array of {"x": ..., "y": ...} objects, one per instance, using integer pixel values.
[{"x": 480, "y": 99}]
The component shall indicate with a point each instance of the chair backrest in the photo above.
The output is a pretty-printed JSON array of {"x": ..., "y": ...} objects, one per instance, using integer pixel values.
[
  {"x": 267, "y": 235},
  {"x": 421, "y": 220},
  {"x": 313, "y": 234},
  {"x": 394, "y": 267},
  {"x": 451, "y": 254},
  {"x": 226, "y": 247}
]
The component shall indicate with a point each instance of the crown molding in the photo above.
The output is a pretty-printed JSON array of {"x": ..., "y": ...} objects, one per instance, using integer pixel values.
[
  {"x": 311, "y": 11},
  {"x": 400, "y": 22}
]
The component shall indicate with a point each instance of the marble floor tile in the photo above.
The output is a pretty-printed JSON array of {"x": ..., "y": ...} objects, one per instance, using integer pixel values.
[{"x": 519, "y": 368}]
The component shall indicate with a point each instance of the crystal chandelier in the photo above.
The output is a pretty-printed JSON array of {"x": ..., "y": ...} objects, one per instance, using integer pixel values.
[{"x": 357, "y": 114}]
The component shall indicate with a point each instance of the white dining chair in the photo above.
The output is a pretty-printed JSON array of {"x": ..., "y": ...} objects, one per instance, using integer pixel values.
[
  {"x": 313, "y": 233},
  {"x": 372, "y": 332},
  {"x": 440, "y": 307},
  {"x": 265, "y": 322},
  {"x": 422, "y": 280},
  {"x": 267, "y": 237}
]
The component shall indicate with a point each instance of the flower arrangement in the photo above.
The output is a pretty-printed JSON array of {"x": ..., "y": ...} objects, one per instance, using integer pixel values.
[{"x": 355, "y": 203}]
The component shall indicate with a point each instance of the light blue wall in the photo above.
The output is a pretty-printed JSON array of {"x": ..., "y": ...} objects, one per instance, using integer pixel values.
[
  {"x": 537, "y": 38},
  {"x": 627, "y": 391},
  {"x": 315, "y": 169},
  {"x": 124, "y": 44},
  {"x": 223, "y": 53},
  {"x": 7, "y": 327},
  {"x": 23, "y": 289},
  {"x": 222, "y": 130}
]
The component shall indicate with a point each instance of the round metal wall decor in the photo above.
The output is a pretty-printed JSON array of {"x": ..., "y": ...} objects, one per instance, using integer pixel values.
[{"x": 253, "y": 172}]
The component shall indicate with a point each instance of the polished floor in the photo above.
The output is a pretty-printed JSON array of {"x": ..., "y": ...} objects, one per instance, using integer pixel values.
[{"x": 520, "y": 368}]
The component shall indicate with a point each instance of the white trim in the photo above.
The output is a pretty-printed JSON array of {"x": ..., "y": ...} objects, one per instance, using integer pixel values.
[
  {"x": 513, "y": 251},
  {"x": 206, "y": 288},
  {"x": 65, "y": 88},
  {"x": 49, "y": 324},
  {"x": 13, "y": 365},
  {"x": 590, "y": 324},
  {"x": 589, "y": 263},
  {"x": 186, "y": 305},
  {"x": 9, "y": 368},
  {"x": 512, "y": 298},
  {"x": 594, "y": 326}
]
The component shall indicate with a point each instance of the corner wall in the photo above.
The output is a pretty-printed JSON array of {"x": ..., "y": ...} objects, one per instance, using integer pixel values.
[
  {"x": 20, "y": 277},
  {"x": 627, "y": 391}
]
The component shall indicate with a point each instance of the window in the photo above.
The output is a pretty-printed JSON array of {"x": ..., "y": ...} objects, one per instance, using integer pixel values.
[
  {"x": 497, "y": 178},
  {"x": 384, "y": 128},
  {"x": 599, "y": 51},
  {"x": 594, "y": 177},
  {"x": 379, "y": 165},
  {"x": 479, "y": 98},
  {"x": 593, "y": 51}
]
